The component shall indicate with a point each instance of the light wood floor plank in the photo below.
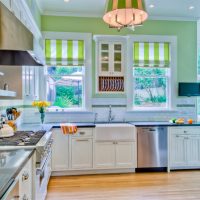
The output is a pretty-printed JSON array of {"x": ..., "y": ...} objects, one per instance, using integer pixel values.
[{"x": 184, "y": 185}]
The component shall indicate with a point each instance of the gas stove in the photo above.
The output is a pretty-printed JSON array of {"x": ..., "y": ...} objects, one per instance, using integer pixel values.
[{"x": 23, "y": 138}]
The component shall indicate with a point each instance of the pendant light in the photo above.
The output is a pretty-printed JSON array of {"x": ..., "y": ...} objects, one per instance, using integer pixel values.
[{"x": 125, "y": 13}]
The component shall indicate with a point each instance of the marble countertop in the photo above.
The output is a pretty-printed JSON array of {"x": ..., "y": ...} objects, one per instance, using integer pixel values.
[
  {"x": 161, "y": 124},
  {"x": 11, "y": 163}
]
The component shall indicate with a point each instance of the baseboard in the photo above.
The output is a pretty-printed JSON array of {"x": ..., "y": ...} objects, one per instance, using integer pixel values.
[{"x": 92, "y": 172}]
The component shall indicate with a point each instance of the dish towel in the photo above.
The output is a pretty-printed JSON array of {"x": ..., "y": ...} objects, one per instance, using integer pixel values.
[{"x": 68, "y": 128}]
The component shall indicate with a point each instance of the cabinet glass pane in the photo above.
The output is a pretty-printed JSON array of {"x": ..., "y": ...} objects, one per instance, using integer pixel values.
[
  {"x": 118, "y": 57},
  {"x": 104, "y": 56},
  {"x": 104, "y": 67},
  {"x": 118, "y": 67},
  {"x": 104, "y": 47},
  {"x": 118, "y": 47}
]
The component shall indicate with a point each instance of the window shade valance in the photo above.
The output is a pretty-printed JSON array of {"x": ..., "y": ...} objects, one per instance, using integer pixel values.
[
  {"x": 65, "y": 52},
  {"x": 147, "y": 54}
]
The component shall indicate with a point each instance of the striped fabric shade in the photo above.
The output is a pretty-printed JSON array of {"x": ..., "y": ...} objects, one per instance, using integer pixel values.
[
  {"x": 125, "y": 13},
  {"x": 121, "y": 4},
  {"x": 148, "y": 54},
  {"x": 64, "y": 52}
]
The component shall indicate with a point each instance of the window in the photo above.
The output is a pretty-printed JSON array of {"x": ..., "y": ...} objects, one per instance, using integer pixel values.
[
  {"x": 68, "y": 81},
  {"x": 151, "y": 76},
  {"x": 65, "y": 87},
  {"x": 151, "y": 87}
]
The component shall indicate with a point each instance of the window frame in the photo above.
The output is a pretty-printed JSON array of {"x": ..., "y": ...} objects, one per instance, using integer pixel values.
[
  {"x": 173, "y": 86},
  {"x": 87, "y": 78}
]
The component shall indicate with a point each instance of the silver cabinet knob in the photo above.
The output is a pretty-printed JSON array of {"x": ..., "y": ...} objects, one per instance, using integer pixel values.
[{"x": 25, "y": 176}]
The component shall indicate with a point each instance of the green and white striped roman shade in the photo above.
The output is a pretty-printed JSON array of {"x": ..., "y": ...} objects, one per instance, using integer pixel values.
[
  {"x": 148, "y": 54},
  {"x": 64, "y": 52}
]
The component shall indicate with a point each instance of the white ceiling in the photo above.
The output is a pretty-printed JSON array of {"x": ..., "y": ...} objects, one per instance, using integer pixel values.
[{"x": 163, "y": 9}]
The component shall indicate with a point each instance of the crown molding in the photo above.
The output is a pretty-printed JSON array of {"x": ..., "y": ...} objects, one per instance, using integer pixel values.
[
  {"x": 167, "y": 18},
  {"x": 40, "y": 7},
  {"x": 71, "y": 14}
]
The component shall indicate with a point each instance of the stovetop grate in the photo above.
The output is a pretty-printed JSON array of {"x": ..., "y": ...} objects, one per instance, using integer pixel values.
[{"x": 23, "y": 138}]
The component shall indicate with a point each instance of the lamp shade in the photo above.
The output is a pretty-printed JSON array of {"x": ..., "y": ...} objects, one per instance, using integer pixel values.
[{"x": 125, "y": 13}]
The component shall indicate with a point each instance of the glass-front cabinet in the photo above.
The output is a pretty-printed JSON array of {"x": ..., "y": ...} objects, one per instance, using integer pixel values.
[{"x": 110, "y": 58}]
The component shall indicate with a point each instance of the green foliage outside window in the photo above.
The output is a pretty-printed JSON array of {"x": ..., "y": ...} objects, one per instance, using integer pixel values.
[
  {"x": 150, "y": 87},
  {"x": 68, "y": 90}
]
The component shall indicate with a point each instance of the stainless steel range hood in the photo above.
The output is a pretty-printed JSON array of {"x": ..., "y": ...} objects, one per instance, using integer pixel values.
[{"x": 16, "y": 41}]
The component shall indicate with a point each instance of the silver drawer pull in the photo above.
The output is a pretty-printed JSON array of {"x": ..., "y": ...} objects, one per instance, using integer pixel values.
[
  {"x": 82, "y": 133},
  {"x": 82, "y": 140},
  {"x": 185, "y": 131}
]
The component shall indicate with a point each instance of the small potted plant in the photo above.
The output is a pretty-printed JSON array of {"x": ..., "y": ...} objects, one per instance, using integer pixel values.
[{"x": 41, "y": 105}]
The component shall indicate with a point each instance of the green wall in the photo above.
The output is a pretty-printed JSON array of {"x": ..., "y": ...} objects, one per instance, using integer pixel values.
[{"x": 185, "y": 31}]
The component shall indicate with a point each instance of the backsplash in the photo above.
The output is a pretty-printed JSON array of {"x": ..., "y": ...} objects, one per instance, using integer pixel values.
[{"x": 185, "y": 108}]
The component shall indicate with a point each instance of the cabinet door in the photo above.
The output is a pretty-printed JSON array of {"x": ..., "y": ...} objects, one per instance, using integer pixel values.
[
  {"x": 178, "y": 151},
  {"x": 81, "y": 153},
  {"x": 60, "y": 151},
  {"x": 104, "y": 59},
  {"x": 104, "y": 155},
  {"x": 25, "y": 181},
  {"x": 31, "y": 82},
  {"x": 193, "y": 150},
  {"x": 125, "y": 154},
  {"x": 117, "y": 65}
]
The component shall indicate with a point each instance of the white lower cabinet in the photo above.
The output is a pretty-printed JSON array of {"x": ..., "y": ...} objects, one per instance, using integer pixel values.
[
  {"x": 26, "y": 181},
  {"x": 193, "y": 150},
  {"x": 184, "y": 148},
  {"x": 177, "y": 150},
  {"x": 114, "y": 155},
  {"x": 81, "y": 154},
  {"x": 125, "y": 154},
  {"x": 60, "y": 151},
  {"x": 104, "y": 155},
  {"x": 86, "y": 153}
]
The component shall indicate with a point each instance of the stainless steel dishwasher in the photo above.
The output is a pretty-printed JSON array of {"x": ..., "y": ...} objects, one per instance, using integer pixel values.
[{"x": 152, "y": 147}]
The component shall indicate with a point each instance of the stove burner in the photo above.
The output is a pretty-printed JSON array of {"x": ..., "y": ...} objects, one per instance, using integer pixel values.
[{"x": 23, "y": 138}]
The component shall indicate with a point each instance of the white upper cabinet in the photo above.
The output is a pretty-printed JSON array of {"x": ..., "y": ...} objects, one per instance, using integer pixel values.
[
  {"x": 110, "y": 56},
  {"x": 110, "y": 59},
  {"x": 30, "y": 82}
]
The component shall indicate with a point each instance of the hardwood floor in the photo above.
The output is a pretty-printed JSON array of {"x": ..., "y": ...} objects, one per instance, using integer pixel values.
[{"x": 184, "y": 185}]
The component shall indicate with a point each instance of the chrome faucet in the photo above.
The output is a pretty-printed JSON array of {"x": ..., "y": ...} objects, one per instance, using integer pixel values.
[{"x": 110, "y": 116}]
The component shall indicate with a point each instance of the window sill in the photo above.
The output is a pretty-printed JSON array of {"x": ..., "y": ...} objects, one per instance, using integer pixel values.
[
  {"x": 72, "y": 111},
  {"x": 154, "y": 111}
]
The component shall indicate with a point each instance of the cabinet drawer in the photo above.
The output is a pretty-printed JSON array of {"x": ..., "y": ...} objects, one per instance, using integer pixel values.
[
  {"x": 185, "y": 130},
  {"x": 84, "y": 132}
]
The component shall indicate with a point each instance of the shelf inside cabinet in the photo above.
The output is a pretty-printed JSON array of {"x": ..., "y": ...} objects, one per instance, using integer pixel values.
[{"x": 6, "y": 93}]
